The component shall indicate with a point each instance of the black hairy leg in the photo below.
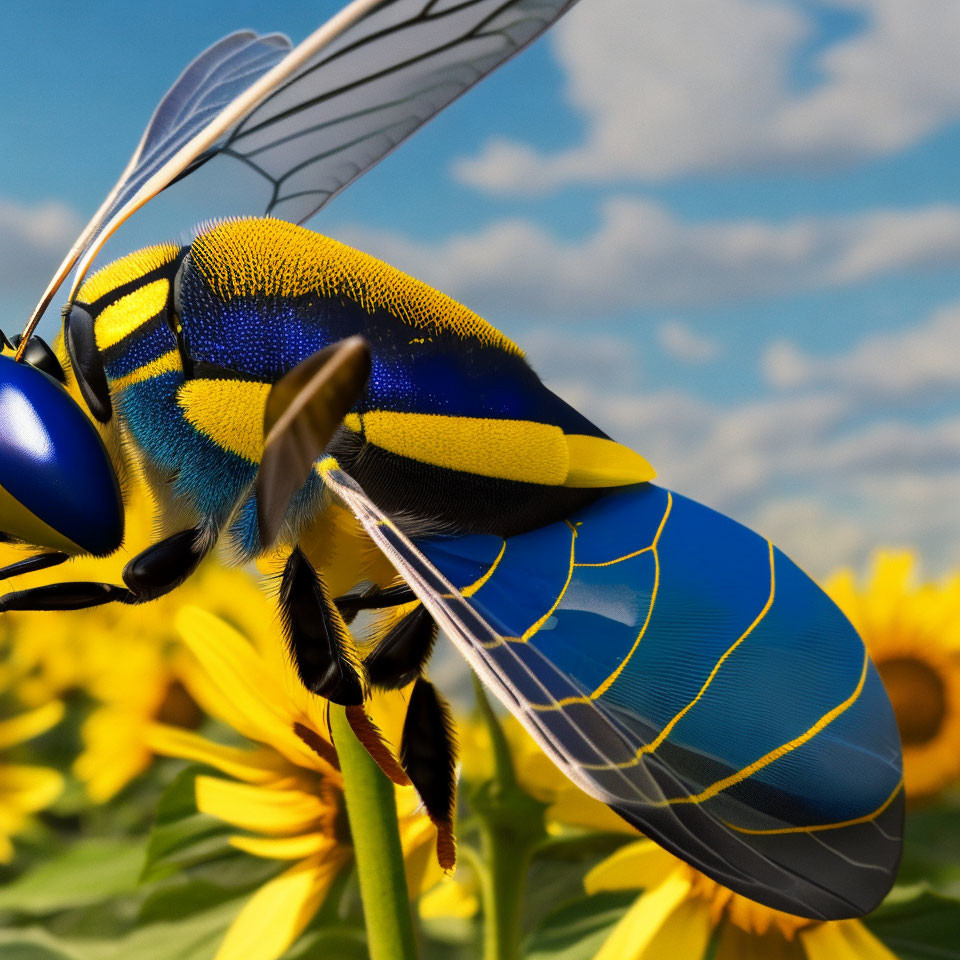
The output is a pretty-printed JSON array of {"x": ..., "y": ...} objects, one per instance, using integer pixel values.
[
  {"x": 369, "y": 735},
  {"x": 323, "y": 651},
  {"x": 160, "y": 568},
  {"x": 428, "y": 753},
  {"x": 400, "y": 655},
  {"x": 374, "y": 598},
  {"x": 164, "y": 566}
]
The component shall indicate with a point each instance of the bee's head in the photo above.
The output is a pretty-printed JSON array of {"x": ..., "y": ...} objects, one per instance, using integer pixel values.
[{"x": 58, "y": 488}]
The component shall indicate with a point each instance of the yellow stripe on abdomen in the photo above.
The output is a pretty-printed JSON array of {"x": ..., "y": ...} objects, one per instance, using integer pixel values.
[
  {"x": 508, "y": 449},
  {"x": 521, "y": 450},
  {"x": 598, "y": 462}
]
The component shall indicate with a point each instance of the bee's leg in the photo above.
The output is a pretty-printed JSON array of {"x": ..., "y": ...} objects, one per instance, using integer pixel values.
[
  {"x": 400, "y": 655},
  {"x": 323, "y": 650},
  {"x": 155, "y": 571},
  {"x": 165, "y": 565},
  {"x": 376, "y": 598},
  {"x": 65, "y": 596},
  {"x": 428, "y": 754},
  {"x": 368, "y": 733},
  {"x": 39, "y": 561}
]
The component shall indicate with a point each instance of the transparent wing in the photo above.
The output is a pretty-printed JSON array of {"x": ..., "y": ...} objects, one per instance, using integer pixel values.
[
  {"x": 213, "y": 81},
  {"x": 359, "y": 97},
  {"x": 312, "y": 119},
  {"x": 780, "y": 778}
]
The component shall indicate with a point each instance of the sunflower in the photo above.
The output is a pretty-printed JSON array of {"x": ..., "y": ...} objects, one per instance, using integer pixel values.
[
  {"x": 25, "y": 789},
  {"x": 912, "y": 631},
  {"x": 136, "y": 671},
  {"x": 679, "y": 912},
  {"x": 285, "y": 794},
  {"x": 126, "y": 658},
  {"x": 682, "y": 913}
]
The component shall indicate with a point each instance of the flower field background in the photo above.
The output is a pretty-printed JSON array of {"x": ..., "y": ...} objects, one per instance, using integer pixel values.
[
  {"x": 727, "y": 231},
  {"x": 169, "y": 790}
]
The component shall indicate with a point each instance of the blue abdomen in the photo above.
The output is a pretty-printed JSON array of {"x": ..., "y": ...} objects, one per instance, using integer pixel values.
[{"x": 727, "y": 691}]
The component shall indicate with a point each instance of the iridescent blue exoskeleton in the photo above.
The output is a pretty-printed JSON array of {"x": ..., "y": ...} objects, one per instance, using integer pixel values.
[{"x": 671, "y": 662}]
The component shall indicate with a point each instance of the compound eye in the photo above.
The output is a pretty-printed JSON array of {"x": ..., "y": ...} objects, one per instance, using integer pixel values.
[
  {"x": 38, "y": 354},
  {"x": 58, "y": 487}
]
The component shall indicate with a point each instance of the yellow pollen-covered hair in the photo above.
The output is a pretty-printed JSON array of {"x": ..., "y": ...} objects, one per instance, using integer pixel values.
[
  {"x": 266, "y": 257},
  {"x": 126, "y": 270}
]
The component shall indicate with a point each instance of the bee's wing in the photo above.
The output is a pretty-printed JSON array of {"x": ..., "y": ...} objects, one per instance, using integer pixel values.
[
  {"x": 357, "y": 97},
  {"x": 312, "y": 119},
  {"x": 677, "y": 667}
]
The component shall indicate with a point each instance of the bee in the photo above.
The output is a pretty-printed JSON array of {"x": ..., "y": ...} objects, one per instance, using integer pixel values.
[{"x": 277, "y": 387}]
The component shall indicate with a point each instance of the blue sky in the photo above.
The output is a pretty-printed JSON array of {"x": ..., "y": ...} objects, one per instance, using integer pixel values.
[{"x": 728, "y": 229}]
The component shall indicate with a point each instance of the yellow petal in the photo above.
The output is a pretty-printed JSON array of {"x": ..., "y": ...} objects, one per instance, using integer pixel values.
[
  {"x": 636, "y": 866},
  {"x": 6, "y": 848},
  {"x": 892, "y": 580},
  {"x": 252, "y": 766},
  {"x": 105, "y": 772},
  {"x": 574, "y": 807},
  {"x": 684, "y": 934},
  {"x": 277, "y": 913},
  {"x": 418, "y": 837},
  {"x": 449, "y": 898},
  {"x": 236, "y": 686},
  {"x": 284, "y": 848},
  {"x": 114, "y": 751},
  {"x": 275, "y": 812},
  {"x": 640, "y": 924},
  {"x": 28, "y": 725},
  {"x": 29, "y": 788},
  {"x": 843, "y": 940},
  {"x": 388, "y": 710}
]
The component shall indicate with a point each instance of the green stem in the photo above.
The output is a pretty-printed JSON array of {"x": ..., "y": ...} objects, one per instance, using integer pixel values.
[
  {"x": 511, "y": 826},
  {"x": 372, "y": 811}
]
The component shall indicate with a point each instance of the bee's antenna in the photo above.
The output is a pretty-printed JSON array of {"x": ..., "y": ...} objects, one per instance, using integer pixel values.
[{"x": 39, "y": 561}]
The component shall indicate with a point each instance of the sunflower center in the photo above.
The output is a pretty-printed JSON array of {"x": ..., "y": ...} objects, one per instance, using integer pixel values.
[
  {"x": 179, "y": 709},
  {"x": 752, "y": 917},
  {"x": 918, "y": 697}
]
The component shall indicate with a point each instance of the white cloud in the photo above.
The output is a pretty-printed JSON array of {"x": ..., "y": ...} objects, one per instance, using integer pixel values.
[
  {"x": 684, "y": 344},
  {"x": 643, "y": 256},
  {"x": 910, "y": 362},
  {"x": 33, "y": 241},
  {"x": 815, "y": 537},
  {"x": 588, "y": 357},
  {"x": 675, "y": 87},
  {"x": 28, "y": 232}
]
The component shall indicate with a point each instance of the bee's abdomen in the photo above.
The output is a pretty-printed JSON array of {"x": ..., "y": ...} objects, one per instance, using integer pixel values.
[{"x": 259, "y": 295}]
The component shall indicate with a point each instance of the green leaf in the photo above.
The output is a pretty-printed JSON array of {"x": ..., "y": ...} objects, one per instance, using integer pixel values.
[
  {"x": 194, "y": 938},
  {"x": 186, "y": 894},
  {"x": 584, "y": 846},
  {"x": 931, "y": 853},
  {"x": 33, "y": 944},
  {"x": 577, "y": 929},
  {"x": 182, "y": 836},
  {"x": 340, "y": 942},
  {"x": 90, "y": 871},
  {"x": 918, "y": 925}
]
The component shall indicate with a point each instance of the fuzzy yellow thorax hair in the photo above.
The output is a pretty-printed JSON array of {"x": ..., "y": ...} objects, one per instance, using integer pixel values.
[{"x": 266, "y": 257}]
